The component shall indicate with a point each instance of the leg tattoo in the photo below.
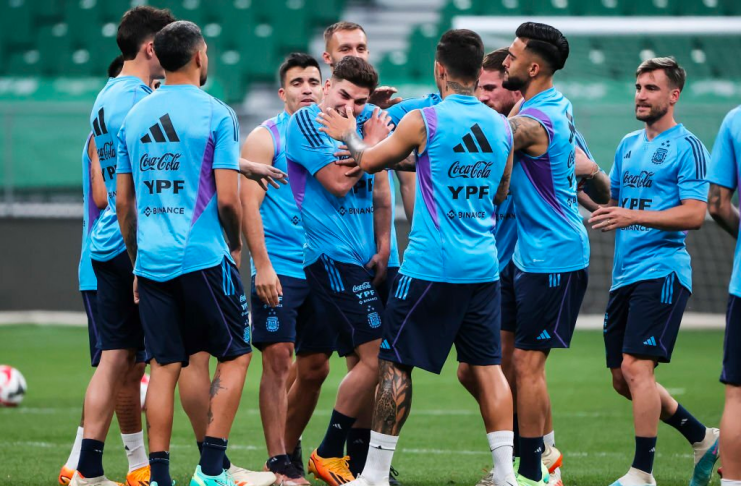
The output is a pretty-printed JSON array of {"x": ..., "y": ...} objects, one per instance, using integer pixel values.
[{"x": 394, "y": 398}]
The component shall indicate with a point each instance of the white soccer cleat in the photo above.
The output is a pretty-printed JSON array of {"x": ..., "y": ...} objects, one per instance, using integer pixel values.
[
  {"x": 636, "y": 477},
  {"x": 707, "y": 453},
  {"x": 488, "y": 480},
  {"x": 552, "y": 458},
  {"x": 79, "y": 480},
  {"x": 245, "y": 477},
  {"x": 555, "y": 478},
  {"x": 361, "y": 481}
]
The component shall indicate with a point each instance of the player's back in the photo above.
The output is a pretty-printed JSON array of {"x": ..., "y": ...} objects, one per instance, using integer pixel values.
[
  {"x": 111, "y": 106},
  {"x": 458, "y": 174},
  {"x": 551, "y": 235},
  {"x": 281, "y": 219},
  {"x": 90, "y": 214},
  {"x": 397, "y": 111},
  {"x": 173, "y": 142}
]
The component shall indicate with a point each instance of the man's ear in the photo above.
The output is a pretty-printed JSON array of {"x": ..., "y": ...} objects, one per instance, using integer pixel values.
[
  {"x": 327, "y": 58},
  {"x": 149, "y": 49}
]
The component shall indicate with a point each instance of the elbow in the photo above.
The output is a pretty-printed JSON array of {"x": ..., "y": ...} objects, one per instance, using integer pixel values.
[
  {"x": 716, "y": 210},
  {"x": 101, "y": 202},
  {"x": 231, "y": 206},
  {"x": 340, "y": 189},
  {"x": 697, "y": 221},
  {"x": 500, "y": 198}
]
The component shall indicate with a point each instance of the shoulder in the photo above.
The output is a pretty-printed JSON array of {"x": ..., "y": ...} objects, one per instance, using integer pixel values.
[
  {"x": 632, "y": 137},
  {"x": 687, "y": 141},
  {"x": 220, "y": 108},
  {"x": 733, "y": 119}
]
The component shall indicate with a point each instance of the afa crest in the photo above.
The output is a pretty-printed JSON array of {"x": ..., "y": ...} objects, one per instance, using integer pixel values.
[
  {"x": 659, "y": 156},
  {"x": 374, "y": 320},
  {"x": 272, "y": 324}
]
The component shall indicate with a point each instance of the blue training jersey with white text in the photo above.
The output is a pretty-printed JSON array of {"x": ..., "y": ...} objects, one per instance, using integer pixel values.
[
  {"x": 458, "y": 173},
  {"x": 655, "y": 175},
  {"x": 171, "y": 143},
  {"x": 551, "y": 235},
  {"x": 111, "y": 107},
  {"x": 725, "y": 170},
  {"x": 90, "y": 214}
]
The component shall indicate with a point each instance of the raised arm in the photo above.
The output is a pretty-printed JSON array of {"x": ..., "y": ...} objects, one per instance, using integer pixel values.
[{"x": 722, "y": 210}]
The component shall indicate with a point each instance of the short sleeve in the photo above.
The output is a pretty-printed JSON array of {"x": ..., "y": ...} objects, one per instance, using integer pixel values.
[
  {"x": 225, "y": 137},
  {"x": 123, "y": 162},
  {"x": 306, "y": 145},
  {"x": 723, "y": 168},
  {"x": 615, "y": 174},
  {"x": 582, "y": 144},
  {"x": 691, "y": 171},
  {"x": 397, "y": 112}
]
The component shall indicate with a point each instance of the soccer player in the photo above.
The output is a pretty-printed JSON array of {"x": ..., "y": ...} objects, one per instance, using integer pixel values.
[
  {"x": 464, "y": 160},
  {"x": 283, "y": 309},
  {"x": 659, "y": 192},
  {"x": 120, "y": 331},
  {"x": 551, "y": 255},
  {"x": 723, "y": 176},
  {"x": 342, "y": 259}
]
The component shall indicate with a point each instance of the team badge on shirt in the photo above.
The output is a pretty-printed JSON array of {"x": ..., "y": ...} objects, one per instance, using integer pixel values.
[{"x": 660, "y": 155}]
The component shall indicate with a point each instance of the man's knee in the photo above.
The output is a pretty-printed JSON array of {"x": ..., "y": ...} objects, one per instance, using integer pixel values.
[
  {"x": 465, "y": 376},
  {"x": 313, "y": 369},
  {"x": 277, "y": 359},
  {"x": 636, "y": 370},
  {"x": 619, "y": 383}
]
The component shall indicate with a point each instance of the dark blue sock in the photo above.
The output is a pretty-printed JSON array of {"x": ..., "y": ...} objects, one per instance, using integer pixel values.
[
  {"x": 200, "y": 447},
  {"x": 159, "y": 463},
  {"x": 516, "y": 430},
  {"x": 227, "y": 462},
  {"x": 687, "y": 425},
  {"x": 277, "y": 464},
  {"x": 212, "y": 457},
  {"x": 333, "y": 444},
  {"x": 91, "y": 458},
  {"x": 358, "y": 441},
  {"x": 645, "y": 451},
  {"x": 531, "y": 451}
]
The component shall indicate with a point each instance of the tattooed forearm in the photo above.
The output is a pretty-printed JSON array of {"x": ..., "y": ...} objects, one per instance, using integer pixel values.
[
  {"x": 393, "y": 399},
  {"x": 132, "y": 247},
  {"x": 459, "y": 88},
  {"x": 355, "y": 145}
]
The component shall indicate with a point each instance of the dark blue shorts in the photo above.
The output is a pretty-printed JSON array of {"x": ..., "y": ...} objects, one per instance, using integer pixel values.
[
  {"x": 509, "y": 302},
  {"x": 731, "y": 374},
  {"x": 90, "y": 302},
  {"x": 642, "y": 319},
  {"x": 347, "y": 303},
  {"x": 119, "y": 326},
  {"x": 292, "y": 321},
  {"x": 205, "y": 310},
  {"x": 384, "y": 289},
  {"x": 424, "y": 319},
  {"x": 547, "y": 307}
]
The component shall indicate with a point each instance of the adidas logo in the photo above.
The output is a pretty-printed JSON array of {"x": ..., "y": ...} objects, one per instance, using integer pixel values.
[
  {"x": 99, "y": 124},
  {"x": 337, "y": 426},
  {"x": 470, "y": 145},
  {"x": 156, "y": 132},
  {"x": 543, "y": 335},
  {"x": 385, "y": 345},
  {"x": 683, "y": 421},
  {"x": 650, "y": 341},
  {"x": 653, "y": 449},
  {"x": 627, "y": 156}
]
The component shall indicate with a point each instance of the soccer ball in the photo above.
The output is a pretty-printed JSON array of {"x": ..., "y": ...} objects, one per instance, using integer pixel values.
[
  {"x": 143, "y": 389},
  {"x": 12, "y": 386}
]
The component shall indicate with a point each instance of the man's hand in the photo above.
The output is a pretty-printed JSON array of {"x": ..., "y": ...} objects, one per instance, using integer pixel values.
[
  {"x": 612, "y": 218},
  {"x": 267, "y": 286},
  {"x": 347, "y": 161},
  {"x": 381, "y": 97},
  {"x": 335, "y": 124},
  {"x": 262, "y": 173},
  {"x": 378, "y": 264},
  {"x": 237, "y": 256},
  {"x": 136, "y": 290},
  {"x": 377, "y": 128},
  {"x": 584, "y": 166}
]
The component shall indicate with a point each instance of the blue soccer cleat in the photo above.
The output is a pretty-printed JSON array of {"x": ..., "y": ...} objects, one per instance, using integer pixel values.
[
  {"x": 200, "y": 479},
  {"x": 707, "y": 453}
]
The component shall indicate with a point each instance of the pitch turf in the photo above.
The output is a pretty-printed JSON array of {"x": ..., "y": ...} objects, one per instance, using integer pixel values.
[{"x": 442, "y": 443}]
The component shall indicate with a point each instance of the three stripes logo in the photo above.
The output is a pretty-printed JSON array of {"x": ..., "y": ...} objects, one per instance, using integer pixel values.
[
  {"x": 543, "y": 336},
  {"x": 99, "y": 124},
  {"x": 698, "y": 152},
  {"x": 650, "y": 341},
  {"x": 227, "y": 284},
  {"x": 554, "y": 280},
  {"x": 470, "y": 145},
  {"x": 385, "y": 344},
  {"x": 155, "y": 131},
  {"x": 335, "y": 281},
  {"x": 667, "y": 290},
  {"x": 402, "y": 289}
]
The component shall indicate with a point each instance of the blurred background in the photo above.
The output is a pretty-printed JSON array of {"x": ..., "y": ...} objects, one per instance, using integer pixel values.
[{"x": 54, "y": 55}]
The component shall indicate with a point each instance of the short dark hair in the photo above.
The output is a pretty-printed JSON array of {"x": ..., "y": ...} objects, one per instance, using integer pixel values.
[
  {"x": 115, "y": 67},
  {"x": 137, "y": 26},
  {"x": 676, "y": 73},
  {"x": 342, "y": 25},
  {"x": 461, "y": 51},
  {"x": 297, "y": 59},
  {"x": 357, "y": 71},
  {"x": 494, "y": 61},
  {"x": 546, "y": 41},
  {"x": 176, "y": 43}
]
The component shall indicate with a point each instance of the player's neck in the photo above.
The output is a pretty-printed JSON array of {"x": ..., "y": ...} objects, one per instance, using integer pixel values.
[
  {"x": 453, "y": 87},
  {"x": 537, "y": 86},
  {"x": 138, "y": 69},
  {"x": 661, "y": 125},
  {"x": 183, "y": 77}
]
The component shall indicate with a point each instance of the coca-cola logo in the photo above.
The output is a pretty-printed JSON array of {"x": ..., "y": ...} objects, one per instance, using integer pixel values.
[
  {"x": 479, "y": 170},
  {"x": 644, "y": 179},
  {"x": 168, "y": 161},
  {"x": 106, "y": 151}
]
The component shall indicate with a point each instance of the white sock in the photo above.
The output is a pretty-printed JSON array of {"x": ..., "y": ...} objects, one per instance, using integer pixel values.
[
  {"x": 135, "y": 451},
  {"x": 74, "y": 455},
  {"x": 501, "y": 444},
  {"x": 730, "y": 482},
  {"x": 550, "y": 439},
  {"x": 380, "y": 453}
]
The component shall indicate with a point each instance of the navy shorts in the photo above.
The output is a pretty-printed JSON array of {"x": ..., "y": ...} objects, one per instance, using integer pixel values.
[
  {"x": 424, "y": 319},
  {"x": 292, "y": 321},
  {"x": 731, "y": 374},
  {"x": 509, "y": 303},
  {"x": 205, "y": 310},
  {"x": 384, "y": 289},
  {"x": 547, "y": 307},
  {"x": 119, "y": 326},
  {"x": 90, "y": 302},
  {"x": 642, "y": 319},
  {"x": 347, "y": 303}
]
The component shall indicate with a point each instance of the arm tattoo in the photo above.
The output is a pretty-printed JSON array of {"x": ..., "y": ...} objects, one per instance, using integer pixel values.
[
  {"x": 355, "y": 145},
  {"x": 458, "y": 88},
  {"x": 714, "y": 196},
  {"x": 132, "y": 247},
  {"x": 393, "y": 399}
]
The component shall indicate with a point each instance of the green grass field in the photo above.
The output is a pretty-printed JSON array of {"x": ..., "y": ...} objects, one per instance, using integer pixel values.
[{"x": 443, "y": 442}]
